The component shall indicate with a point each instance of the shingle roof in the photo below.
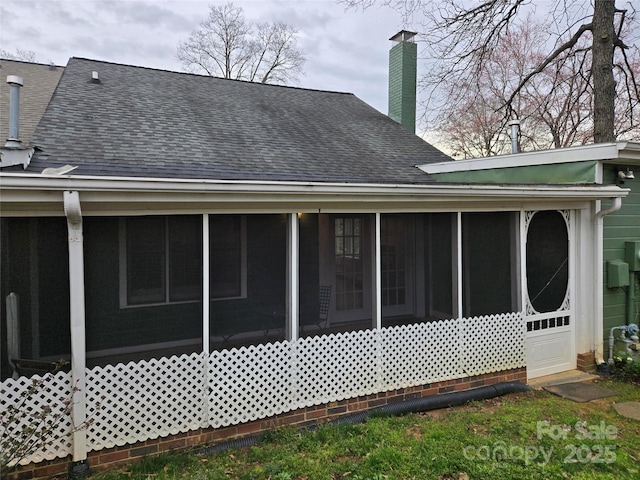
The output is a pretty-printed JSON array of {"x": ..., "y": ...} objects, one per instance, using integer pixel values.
[
  {"x": 39, "y": 83},
  {"x": 154, "y": 123}
]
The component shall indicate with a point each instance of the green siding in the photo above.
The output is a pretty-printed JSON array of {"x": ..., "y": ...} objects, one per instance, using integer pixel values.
[
  {"x": 575, "y": 173},
  {"x": 402, "y": 84},
  {"x": 619, "y": 227}
]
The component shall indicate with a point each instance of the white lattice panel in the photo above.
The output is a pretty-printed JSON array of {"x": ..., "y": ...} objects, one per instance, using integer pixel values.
[
  {"x": 250, "y": 383},
  {"x": 52, "y": 395},
  {"x": 337, "y": 366},
  {"x": 420, "y": 353},
  {"x": 149, "y": 399},
  {"x": 493, "y": 343},
  {"x": 140, "y": 401}
]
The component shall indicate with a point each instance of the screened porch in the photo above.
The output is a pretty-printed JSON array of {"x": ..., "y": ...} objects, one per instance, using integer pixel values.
[{"x": 157, "y": 285}]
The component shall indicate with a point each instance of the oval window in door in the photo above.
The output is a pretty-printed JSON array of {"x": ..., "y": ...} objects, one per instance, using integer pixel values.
[{"x": 547, "y": 261}]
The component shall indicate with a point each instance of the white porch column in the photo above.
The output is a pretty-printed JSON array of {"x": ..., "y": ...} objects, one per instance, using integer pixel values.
[
  {"x": 77, "y": 313},
  {"x": 459, "y": 263},
  {"x": 206, "y": 304},
  {"x": 293, "y": 274},
  {"x": 377, "y": 277}
]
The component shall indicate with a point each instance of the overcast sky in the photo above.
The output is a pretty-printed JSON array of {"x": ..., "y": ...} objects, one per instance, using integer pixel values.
[{"x": 346, "y": 51}]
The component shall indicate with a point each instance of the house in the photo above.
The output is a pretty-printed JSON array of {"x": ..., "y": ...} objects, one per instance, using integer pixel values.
[{"x": 218, "y": 257}]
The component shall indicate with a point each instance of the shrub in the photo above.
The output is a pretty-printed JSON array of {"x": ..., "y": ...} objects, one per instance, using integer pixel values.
[
  {"x": 626, "y": 368},
  {"x": 27, "y": 425}
]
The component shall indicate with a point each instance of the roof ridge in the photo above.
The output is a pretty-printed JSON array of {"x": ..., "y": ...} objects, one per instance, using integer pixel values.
[
  {"x": 210, "y": 76},
  {"x": 31, "y": 63}
]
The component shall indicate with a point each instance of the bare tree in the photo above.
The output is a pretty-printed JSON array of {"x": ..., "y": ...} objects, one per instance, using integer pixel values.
[
  {"x": 21, "y": 55},
  {"x": 461, "y": 35},
  {"x": 554, "y": 106},
  {"x": 227, "y": 45}
]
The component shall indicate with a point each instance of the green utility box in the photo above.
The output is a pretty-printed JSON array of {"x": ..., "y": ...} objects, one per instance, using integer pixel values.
[
  {"x": 632, "y": 255},
  {"x": 617, "y": 274}
]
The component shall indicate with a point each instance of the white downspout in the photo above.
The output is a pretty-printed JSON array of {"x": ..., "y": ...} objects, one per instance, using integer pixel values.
[
  {"x": 598, "y": 263},
  {"x": 73, "y": 213}
]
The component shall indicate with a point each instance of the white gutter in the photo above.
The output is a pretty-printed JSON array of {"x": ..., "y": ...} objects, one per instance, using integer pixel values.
[
  {"x": 77, "y": 319},
  {"x": 598, "y": 262},
  {"x": 43, "y": 183}
]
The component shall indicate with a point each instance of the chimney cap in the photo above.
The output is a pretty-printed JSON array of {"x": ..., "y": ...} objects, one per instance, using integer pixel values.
[
  {"x": 403, "y": 36},
  {"x": 15, "y": 80}
]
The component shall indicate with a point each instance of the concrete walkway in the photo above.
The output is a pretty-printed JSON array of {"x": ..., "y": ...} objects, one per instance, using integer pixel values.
[
  {"x": 625, "y": 409},
  {"x": 569, "y": 376}
]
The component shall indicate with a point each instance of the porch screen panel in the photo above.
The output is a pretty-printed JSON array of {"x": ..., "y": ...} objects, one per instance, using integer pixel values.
[
  {"x": 146, "y": 260},
  {"x": 547, "y": 261},
  {"x": 248, "y": 279},
  {"x": 488, "y": 256},
  {"x": 440, "y": 258},
  {"x": 336, "y": 268},
  {"x": 226, "y": 255},
  {"x": 393, "y": 259},
  {"x": 185, "y": 258}
]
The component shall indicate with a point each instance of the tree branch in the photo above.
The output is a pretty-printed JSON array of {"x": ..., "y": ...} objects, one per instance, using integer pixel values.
[{"x": 565, "y": 46}]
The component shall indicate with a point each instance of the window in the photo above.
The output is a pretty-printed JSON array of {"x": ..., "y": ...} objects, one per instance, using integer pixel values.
[
  {"x": 161, "y": 259},
  {"x": 349, "y": 266}
]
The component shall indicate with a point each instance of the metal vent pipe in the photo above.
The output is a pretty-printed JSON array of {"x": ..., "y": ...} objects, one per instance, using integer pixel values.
[
  {"x": 515, "y": 132},
  {"x": 14, "y": 111}
]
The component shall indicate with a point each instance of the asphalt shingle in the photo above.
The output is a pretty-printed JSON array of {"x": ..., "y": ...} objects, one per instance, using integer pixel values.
[{"x": 143, "y": 122}]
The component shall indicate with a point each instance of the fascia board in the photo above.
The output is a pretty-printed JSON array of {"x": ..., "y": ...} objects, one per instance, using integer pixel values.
[
  {"x": 610, "y": 152},
  {"x": 628, "y": 154}
]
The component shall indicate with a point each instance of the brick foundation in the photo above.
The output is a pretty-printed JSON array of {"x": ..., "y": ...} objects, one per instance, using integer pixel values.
[
  {"x": 587, "y": 362},
  {"x": 117, "y": 456}
]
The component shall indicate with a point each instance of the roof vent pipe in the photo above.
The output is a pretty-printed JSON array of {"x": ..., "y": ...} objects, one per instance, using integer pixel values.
[
  {"x": 515, "y": 133},
  {"x": 14, "y": 111}
]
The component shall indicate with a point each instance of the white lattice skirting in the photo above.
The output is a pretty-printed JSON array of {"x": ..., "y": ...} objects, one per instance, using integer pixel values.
[{"x": 150, "y": 399}]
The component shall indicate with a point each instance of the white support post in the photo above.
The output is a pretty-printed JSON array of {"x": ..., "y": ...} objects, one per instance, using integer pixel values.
[
  {"x": 206, "y": 304},
  {"x": 78, "y": 331},
  {"x": 459, "y": 262},
  {"x": 293, "y": 273},
  {"x": 377, "y": 278},
  {"x": 523, "y": 263}
]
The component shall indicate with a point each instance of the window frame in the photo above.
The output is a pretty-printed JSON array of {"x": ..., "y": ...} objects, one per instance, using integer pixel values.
[{"x": 123, "y": 268}]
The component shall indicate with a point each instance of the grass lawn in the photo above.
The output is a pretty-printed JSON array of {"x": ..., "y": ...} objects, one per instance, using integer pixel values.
[{"x": 532, "y": 435}]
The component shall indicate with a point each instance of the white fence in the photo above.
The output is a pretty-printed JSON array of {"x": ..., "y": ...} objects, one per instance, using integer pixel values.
[{"x": 150, "y": 399}]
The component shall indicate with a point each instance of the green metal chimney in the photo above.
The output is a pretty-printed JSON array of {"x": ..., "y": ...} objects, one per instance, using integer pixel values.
[{"x": 403, "y": 60}]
